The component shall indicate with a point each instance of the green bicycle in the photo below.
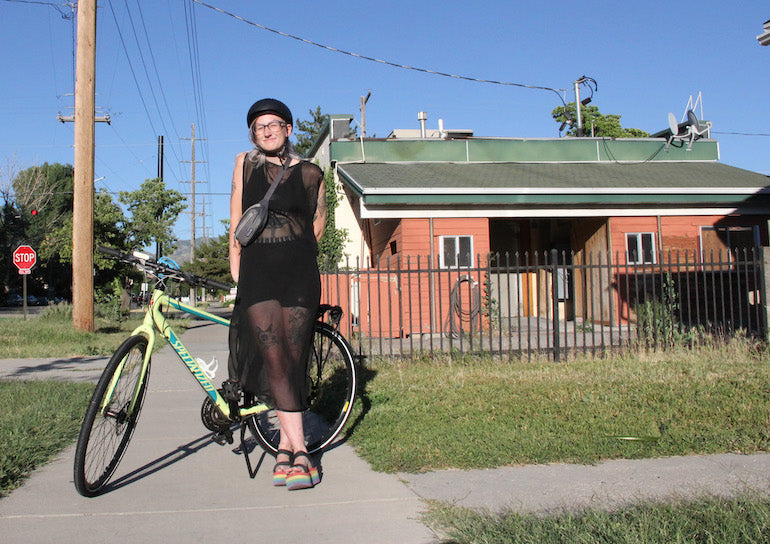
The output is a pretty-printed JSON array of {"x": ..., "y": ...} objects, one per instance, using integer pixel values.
[{"x": 116, "y": 403}]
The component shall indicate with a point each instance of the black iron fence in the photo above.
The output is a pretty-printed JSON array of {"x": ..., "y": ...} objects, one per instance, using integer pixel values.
[{"x": 556, "y": 303}]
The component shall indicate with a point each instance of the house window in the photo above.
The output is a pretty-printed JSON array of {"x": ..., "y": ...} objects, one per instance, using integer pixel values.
[
  {"x": 456, "y": 251},
  {"x": 640, "y": 247}
]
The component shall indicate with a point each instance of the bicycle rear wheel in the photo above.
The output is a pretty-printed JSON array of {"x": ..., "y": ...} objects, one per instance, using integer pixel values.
[
  {"x": 111, "y": 416},
  {"x": 332, "y": 389}
]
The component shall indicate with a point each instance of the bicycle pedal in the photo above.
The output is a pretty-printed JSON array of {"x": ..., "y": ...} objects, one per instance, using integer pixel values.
[
  {"x": 223, "y": 437},
  {"x": 232, "y": 391}
]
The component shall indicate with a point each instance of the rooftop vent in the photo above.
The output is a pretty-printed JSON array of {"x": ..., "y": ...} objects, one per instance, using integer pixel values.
[
  {"x": 429, "y": 133},
  {"x": 340, "y": 128}
]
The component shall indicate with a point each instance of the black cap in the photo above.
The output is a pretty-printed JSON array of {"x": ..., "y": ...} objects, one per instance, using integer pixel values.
[{"x": 268, "y": 105}]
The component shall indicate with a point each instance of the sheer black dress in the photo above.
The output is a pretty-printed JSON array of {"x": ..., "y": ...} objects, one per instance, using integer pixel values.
[{"x": 279, "y": 288}]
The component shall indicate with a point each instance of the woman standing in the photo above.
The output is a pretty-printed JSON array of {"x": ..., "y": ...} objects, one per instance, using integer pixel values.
[{"x": 279, "y": 286}]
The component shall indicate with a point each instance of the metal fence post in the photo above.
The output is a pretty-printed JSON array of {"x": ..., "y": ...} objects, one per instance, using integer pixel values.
[
  {"x": 555, "y": 302},
  {"x": 764, "y": 288}
]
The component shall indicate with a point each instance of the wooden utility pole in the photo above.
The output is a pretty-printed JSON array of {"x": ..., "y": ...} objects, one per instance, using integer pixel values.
[
  {"x": 193, "y": 215},
  {"x": 83, "y": 208},
  {"x": 158, "y": 246},
  {"x": 364, "y": 100}
]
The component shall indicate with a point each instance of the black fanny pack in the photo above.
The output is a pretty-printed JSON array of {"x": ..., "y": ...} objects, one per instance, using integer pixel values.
[{"x": 254, "y": 219}]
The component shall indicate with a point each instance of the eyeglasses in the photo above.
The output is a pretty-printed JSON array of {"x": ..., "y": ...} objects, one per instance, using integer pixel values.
[{"x": 273, "y": 126}]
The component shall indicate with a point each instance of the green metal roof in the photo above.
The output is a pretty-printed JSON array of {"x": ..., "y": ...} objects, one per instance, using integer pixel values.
[
  {"x": 536, "y": 150},
  {"x": 495, "y": 185}
]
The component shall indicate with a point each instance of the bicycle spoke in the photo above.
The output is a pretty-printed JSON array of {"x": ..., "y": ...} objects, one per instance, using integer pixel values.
[
  {"x": 332, "y": 386},
  {"x": 111, "y": 417}
]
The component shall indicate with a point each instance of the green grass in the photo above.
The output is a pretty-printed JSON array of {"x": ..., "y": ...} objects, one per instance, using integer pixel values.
[
  {"x": 37, "y": 420},
  {"x": 51, "y": 334},
  {"x": 743, "y": 520},
  {"x": 480, "y": 413}
]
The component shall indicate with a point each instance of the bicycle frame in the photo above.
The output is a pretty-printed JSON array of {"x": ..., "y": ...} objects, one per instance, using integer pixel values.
[{"x": 155, "y": 320}]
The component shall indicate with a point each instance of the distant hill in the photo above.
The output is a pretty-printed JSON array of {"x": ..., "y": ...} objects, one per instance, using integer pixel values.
[{"x": 181, "y": 254}]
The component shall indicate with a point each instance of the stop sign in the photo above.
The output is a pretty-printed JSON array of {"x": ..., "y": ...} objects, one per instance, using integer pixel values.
[{"x": 24, "y": 258}]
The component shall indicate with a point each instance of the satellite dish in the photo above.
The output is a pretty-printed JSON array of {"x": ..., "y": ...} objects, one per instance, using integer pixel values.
[
  {"x": 673, "y": 125},
  {"x": 695, "y": 129}
]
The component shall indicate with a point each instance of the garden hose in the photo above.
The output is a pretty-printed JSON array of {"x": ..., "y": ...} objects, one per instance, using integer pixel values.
[{"x": 456, "y": 305}]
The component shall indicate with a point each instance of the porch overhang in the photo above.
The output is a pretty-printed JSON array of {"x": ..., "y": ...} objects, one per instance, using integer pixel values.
[{"x": 393, "y": 190}]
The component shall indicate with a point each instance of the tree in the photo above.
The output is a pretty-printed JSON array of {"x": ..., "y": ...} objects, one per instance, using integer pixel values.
[
  {"x": 306, "y": 132},
  {"x": 11, "y": 235},
  {"x": 37, "y": 201},
  {"x": 595, "y": 122},
  {"x": 154, "y": 210},
  {"x": 110, "y": 229},
  {"x": 212, "y": 260},
  {"x": 46, "y": 190}
]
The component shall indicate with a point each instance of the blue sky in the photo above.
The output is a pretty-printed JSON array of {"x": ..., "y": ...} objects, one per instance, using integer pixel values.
[{"x": 166, "y": 64}]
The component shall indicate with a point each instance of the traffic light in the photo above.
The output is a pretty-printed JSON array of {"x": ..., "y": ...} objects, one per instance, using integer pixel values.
[{"x": 33, "y": 212}]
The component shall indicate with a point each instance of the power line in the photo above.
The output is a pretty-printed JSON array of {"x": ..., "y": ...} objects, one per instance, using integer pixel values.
[
  {"x": 144, "y": 66},
  {"x": 147, "y": 74},
  {"x": 380, "y": 61},
  {"x": 131, "y": 68},
  {"x": 57, "y": 7},
  {"x": 195, "y": 72},
  {"x": 154, "y": 66},
  {"x": 136, "y": 79},
  {"x": 741, "y": 133}
]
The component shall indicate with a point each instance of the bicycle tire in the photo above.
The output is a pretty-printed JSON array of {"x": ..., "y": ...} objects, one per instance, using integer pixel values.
[
  {"x": 104, "y": 434},
  {"x": 332, "y": 380}
]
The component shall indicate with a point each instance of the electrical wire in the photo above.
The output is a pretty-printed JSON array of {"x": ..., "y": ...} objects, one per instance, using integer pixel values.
[
  {"x": 195, "y": 69},
  {"x": 611, "y": 155},
  {"x": 380, "y": 61},
  {"x": 154, "y": 65},
  {"x": 57, "y": 7},
  {"x": 133, "y": 72},
  {"x": 741, "y": 133},
  {"x": 144, "y": 66}
]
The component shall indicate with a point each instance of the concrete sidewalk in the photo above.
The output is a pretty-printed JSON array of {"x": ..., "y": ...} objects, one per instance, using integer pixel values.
[
  {"x": 175, "y": 485},
  {"x": 609, "y": 485}
]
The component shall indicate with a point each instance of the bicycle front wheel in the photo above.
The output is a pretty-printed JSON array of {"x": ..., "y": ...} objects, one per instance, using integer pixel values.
[
  {"x": 111, "y": 416},
  {"x": 332, "y": 380}
]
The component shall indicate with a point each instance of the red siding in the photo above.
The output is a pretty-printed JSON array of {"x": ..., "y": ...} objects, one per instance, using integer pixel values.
[{"x": 389, "y": 308}]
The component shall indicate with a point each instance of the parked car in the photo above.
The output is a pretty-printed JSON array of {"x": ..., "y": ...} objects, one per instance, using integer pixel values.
[{"x": 13, "y": 299}]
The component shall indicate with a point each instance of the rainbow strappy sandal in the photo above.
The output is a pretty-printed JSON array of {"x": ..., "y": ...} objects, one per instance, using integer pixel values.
[
  {"x": 279, "y": 476},
  {"x": 304, "y": 478}
]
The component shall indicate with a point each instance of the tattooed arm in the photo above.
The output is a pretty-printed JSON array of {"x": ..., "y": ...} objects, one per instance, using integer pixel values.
[
  {"x": 319, "y": 219},
  {"x": 236, "y": 212}
]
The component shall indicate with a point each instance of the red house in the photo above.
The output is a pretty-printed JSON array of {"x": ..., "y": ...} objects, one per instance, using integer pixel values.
[{"x": 455, "y": 199}]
